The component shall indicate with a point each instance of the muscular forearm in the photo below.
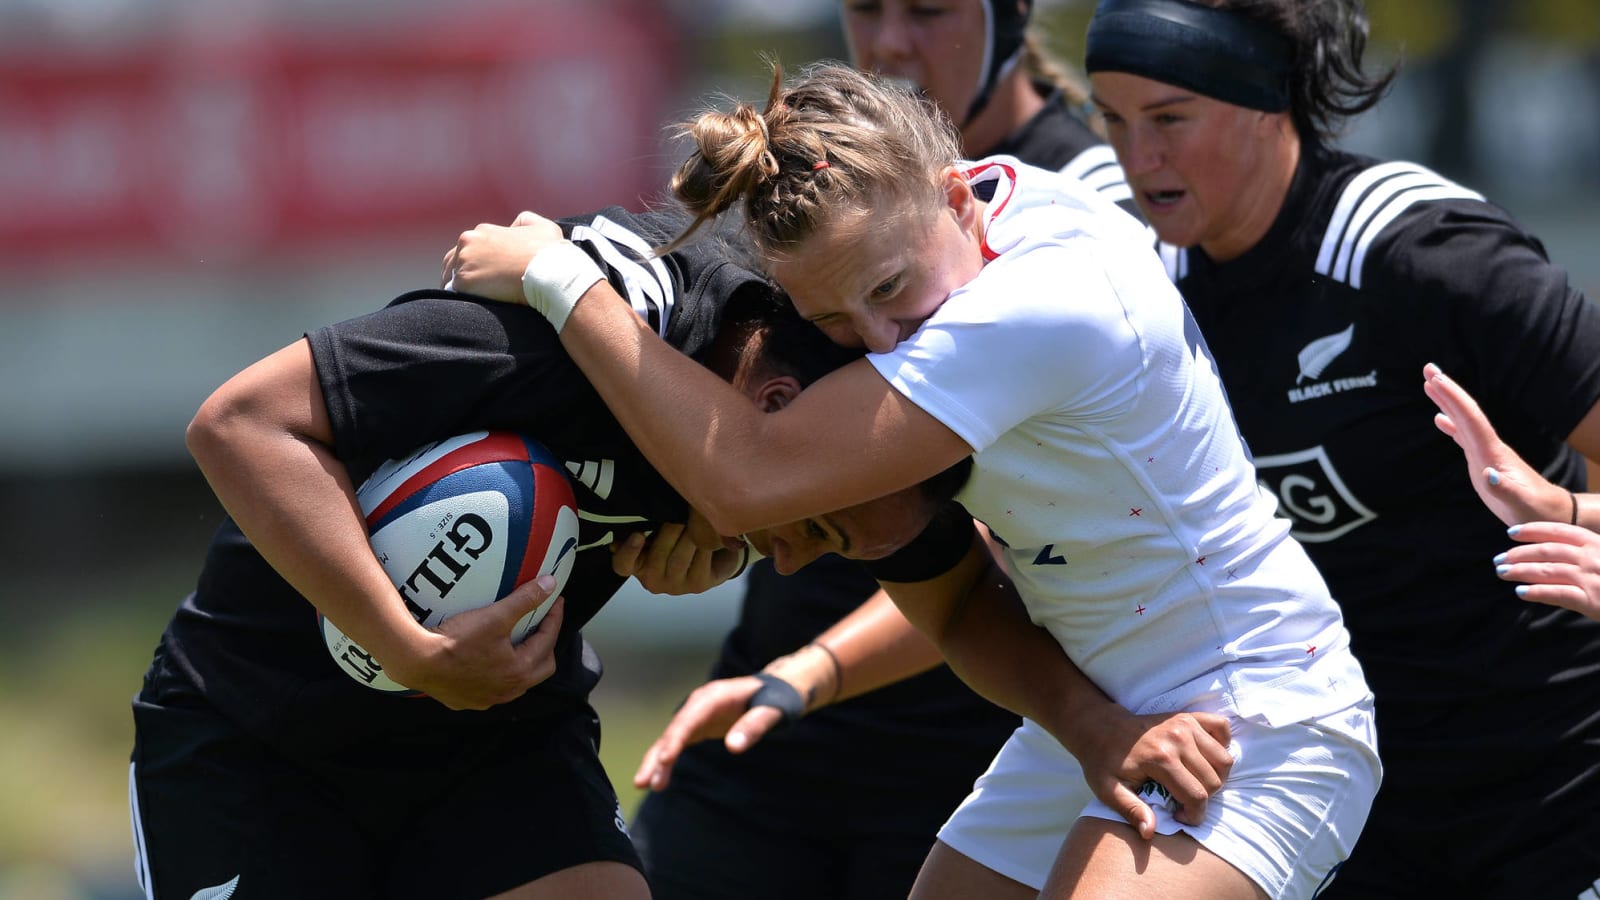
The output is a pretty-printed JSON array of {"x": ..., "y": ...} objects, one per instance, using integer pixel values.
[
  {"x": 261, "y": 441},
  {"x": 870, "y": 648},
  {"x": 704, "y": 445},
  {"x": 983, "y": 631}
]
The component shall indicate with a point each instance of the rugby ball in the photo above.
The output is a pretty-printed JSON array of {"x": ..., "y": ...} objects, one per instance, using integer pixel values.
[{"x": 457, "y": 525}]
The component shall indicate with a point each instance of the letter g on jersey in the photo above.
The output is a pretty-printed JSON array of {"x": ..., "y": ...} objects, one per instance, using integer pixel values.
[{"x": 1311, "y": 493}]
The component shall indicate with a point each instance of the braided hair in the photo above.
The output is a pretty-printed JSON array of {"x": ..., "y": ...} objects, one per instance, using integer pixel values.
[{"x": 832, "y": 141}]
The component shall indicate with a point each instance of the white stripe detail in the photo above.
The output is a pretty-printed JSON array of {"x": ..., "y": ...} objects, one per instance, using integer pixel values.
[
  {"x": 1097, "y": 167},
  {"x": 1371, "y": 207},
  {"x": 605, "y": 539},
  {"x": 1395, "y": 208},
  {"x": 649, "y": 284},
  {"x": 141, "y": 864},
  {"x": 598, "y": 476},
  {"x": 1176, "y": 260},
  {"x": 1347, "y": 202},
  {"x": 1590, "y": 893},
  {"x": 1368, "y": 204},
  {"x": 610, "y": 520}
]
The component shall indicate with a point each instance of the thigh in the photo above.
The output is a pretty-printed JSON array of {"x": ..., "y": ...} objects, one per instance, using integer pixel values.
[
  {"x": 531, "y": 802},
  {"x": 213, "y": 807},
  {"x": 696, "y": 850},
  {"x": 1102, "y": 858},
  {"x": 1019, "y": 811},
  {"x": 949, "y": 874}
]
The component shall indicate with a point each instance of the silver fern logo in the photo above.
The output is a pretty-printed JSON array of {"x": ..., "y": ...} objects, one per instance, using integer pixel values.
[
  {"x": 1316, "y": 356},
  {"x": 219, "y": 892}
]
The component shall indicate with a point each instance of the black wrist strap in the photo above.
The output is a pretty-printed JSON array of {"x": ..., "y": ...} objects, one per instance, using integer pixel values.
[{"x": 780, "y": 695}]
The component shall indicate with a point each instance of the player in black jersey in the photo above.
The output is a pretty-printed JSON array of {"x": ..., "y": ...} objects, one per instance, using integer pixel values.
[
  {"x": 1325, "y": 282},
  {"x": 259, "y": 768},
  {"x": 863, "y": 784}
]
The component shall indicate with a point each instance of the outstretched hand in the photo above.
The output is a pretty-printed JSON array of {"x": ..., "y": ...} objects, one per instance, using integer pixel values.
[
  {"x": 1512, "y": 489},
  {"x": 715, "y": 709},
  {"x": 489, "y": 260},
  {"x": 474, "y": 665},
  {"x": 1559, "y": 565},
  {"x": 1185, "y": 753}
]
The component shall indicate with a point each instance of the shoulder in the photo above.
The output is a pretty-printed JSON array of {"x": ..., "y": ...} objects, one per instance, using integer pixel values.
[
  {"x": 680, "y": 294},
  {"x": 1389, "y": 221}
]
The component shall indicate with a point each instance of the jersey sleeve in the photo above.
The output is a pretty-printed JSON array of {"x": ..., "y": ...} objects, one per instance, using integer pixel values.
[
  {"x": 433, "y": 364},
  {"x": 1020, "y": 341},
  {"x": 1530, "y": 341}
]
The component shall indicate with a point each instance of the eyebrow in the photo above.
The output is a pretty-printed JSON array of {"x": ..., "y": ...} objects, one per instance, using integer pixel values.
[{"x": 1165, "y": 101}]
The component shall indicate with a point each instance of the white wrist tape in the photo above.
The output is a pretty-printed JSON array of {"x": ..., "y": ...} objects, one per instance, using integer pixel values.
[{"x": 555, "y": 278}]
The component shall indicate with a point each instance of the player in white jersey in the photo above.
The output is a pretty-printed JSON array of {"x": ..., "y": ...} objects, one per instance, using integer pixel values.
[
  {"x": 1038, "y": 331},
  {"x": 865, "y": 781}
]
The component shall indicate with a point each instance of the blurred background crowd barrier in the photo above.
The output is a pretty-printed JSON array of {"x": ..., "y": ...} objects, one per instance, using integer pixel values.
[{"x": 188, "y": 186}]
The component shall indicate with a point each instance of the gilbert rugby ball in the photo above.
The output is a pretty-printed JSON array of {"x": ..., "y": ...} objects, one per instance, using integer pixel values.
[{"x": 458, "y": 525}]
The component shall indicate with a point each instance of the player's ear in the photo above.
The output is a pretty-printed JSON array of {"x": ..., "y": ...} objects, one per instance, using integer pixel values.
[
  {"x": 777, "y": 392},
  {"x": 959, "y": 197}
]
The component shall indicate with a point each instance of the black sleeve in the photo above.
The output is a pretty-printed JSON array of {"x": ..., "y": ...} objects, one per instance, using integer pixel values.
[
  {"x": 1530, "y": 340},
  {"x": 933, "y": 552},
  {"x": 435, "y": 364}
]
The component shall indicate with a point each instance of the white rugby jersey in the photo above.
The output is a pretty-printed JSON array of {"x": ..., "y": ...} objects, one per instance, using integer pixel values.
[{"x": 1109, "y": 465}]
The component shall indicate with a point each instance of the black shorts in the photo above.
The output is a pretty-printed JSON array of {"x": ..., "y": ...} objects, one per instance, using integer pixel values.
[
  {"x": 466, "y": 816},
  {"x": 696, "y": 850},
  {"x": 1425, "y": 839}
]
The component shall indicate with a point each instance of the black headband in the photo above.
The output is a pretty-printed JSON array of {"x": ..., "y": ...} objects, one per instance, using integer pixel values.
[{"x": 1213, "y": 52}]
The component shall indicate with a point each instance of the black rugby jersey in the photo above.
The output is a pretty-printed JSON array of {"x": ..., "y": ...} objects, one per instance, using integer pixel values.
[
  {"x": 1321, "y": 331},
  {"x": 430, "y": 365}
]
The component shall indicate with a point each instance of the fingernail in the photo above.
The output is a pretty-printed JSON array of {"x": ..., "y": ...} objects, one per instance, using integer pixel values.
[
  {"x": 1499, "y": 560},
  {"x": 1494, "y": 477},
  {"x": 1512, "y": 531},
  {"x": 546, "y": 582},
  {"x": 737, "y": 740},
  {"x": 1522, "y": 591},
  {"x": 1501, "y": 570}
]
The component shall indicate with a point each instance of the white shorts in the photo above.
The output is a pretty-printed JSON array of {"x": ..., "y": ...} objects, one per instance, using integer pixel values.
[{"x": 1287, "y": 816}]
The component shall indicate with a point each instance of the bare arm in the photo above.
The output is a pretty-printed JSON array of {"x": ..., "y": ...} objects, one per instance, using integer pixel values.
[
  {"x": 263, "y": 441},
  {"x": 874, "y": 645},
  {"x": 847, "y": 439}
]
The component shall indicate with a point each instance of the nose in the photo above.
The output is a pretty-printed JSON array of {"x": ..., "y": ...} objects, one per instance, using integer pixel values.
[
  {"x": 891, "y": 38},
  {"x": 789, "y": 558},
  {"x": 1140, "y": 153},
  {"x": 880, "y": 334}
]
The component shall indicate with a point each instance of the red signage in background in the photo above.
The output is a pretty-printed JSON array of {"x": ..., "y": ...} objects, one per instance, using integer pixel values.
[{"x": 186, "y": 147}]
